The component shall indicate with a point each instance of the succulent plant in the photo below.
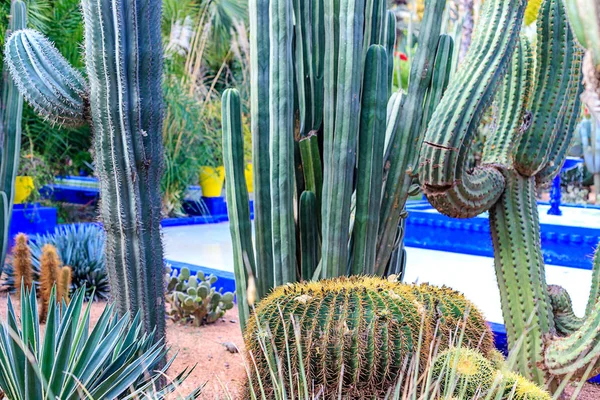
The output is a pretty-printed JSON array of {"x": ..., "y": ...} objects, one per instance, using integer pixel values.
[
  {"x": 11, "y": 113},
  {"x": 367, "y": 327},
  {"x": 455, "y": 319},
  {"x": 465, "y": 372},
  {"x": 527, "y": 151},
  {"x": 81, "y": 247},
  {"x": 331, "y": 142},
  {"x": 193, "y": 299},
  {"x": 122, "y": 101},
  {"x": 21, "y": 261},
  {"x": 49, "y": 276}
]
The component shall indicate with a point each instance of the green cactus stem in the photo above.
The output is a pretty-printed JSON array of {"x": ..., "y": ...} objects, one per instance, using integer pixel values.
[
  {"x": 310, "y": 245},
  {"x": 404, "y": 143},
  {"x": 447, "y": 180},
  {"x": 237, "y": 198},
  {"x": 370, "y": 161},
  {"x": 11, "y": 113},
  {"x": 123, "y": 55}
]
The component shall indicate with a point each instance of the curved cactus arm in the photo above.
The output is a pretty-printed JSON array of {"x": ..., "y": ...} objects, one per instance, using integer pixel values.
[
  {"x": 511, "y": 107},
  {"x": 237, "y": 198},
  {"x": 565, "y": 320},
  {"x": 520, "y": 272},
  {"x": 49, "y": 83},
  {"x": 404, "y": 143},
  {"x": 310, "y": 244},
  {"x": 558, "y": 60},
  {"x": 281, "y": 141},
  {"x": 370, "y": 161},
  {"x": 568, "y": 122},
  {"x": 261, "y": 164},
  {"x": 447, "y": 180},
  {"x": 11, "y": 114},
  {"x": 341, "y": 138},
  {"x": 579, "y": 352},
  {"x": 123, "y": 53}
]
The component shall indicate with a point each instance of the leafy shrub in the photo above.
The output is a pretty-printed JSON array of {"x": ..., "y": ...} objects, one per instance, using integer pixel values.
[
  {"x": 71, "y": 361},
  {"x": 81, "y": 247},
  {"x": 193, "y": 300}
]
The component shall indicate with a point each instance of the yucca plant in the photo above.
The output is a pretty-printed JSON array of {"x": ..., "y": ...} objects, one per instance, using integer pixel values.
[
  {"x": 73, "y": 360},
  {"x": 81, "y": 247}
]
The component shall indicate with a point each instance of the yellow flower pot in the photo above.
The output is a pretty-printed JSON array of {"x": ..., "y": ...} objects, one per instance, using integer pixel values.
[
  {"x": 249, "y": 178},
  {"x": 211, "y": 181},
  {"x": 23, "y": 188}
]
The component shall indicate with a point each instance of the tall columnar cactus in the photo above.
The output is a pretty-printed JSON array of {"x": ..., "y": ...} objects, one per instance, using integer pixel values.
[
  {"x": 332, "y": 145},
  {"x": 11, "y": 113},
  {"x": 536, "y": 109},
  {"x": 122, "y": 101}
]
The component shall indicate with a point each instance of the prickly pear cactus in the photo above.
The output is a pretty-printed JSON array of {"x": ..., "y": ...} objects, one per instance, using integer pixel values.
[
  {"x": 363, "y": 327},
  {"x": 194, "y": 300}
]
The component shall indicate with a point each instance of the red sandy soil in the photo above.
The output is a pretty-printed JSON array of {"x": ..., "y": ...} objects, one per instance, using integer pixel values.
[{"x": 221, "y": 371}]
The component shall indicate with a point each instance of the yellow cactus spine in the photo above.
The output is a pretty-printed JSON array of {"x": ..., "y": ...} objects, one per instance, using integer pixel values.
[{"x": 66, "y": 275}]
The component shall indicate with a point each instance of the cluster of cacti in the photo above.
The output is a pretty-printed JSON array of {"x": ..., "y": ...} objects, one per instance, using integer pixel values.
[
  {"x": 537, "y": 107},
  {"x": 122, "y": 101},
  {"x": 52, "y": 275},
  {"x": 357, "y": 332},
  {"x": 11, "y": 113},
  {"x": 466, "y": 373},
  {"x": 334, "y": 150},
  {"x": 193, "y": 299}
]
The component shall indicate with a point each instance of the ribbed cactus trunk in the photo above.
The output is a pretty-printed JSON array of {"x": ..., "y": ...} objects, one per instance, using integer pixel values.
[
  {"x": 123, "y": 51},
  {"x": 11, "y": 113}
]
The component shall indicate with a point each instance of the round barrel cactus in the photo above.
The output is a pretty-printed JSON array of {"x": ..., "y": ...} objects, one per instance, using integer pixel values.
[
  {"x": 352, "y": 333},
  {"x": 465, "y": 372},
  {"x": 454, "y": 319}
]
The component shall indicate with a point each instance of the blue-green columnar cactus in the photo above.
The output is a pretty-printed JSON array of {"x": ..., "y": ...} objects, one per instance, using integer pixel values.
[
  {"x": 122, "y": 100},
  {"x": 11, "y": 113},
  {"x": 334, "y": 149},
  {"x": 589, "y": 132}
]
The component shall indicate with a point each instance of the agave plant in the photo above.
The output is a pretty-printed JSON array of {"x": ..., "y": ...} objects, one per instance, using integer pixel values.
[
  {"x": 81, "y": 247},
  {"x": 71, "y": 360}
]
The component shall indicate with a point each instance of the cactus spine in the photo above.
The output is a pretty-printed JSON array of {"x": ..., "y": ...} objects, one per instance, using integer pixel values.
[
  {"x": 11, "y": 113},
  {"x": 65, "y": 278},
  {"x": 123, "y": 103},
  {"x": 313, "y": 66},
  {"x": 529, "y": 147}
]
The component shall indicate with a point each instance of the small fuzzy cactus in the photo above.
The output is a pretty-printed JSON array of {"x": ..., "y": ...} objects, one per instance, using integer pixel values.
[
  {"x": 365, "y": 328},
  {"x": 49, "y": 271},
  {"x": 193, "y": 299},
  {"x": 66, "y": 276},
  {"x": 464, "y": 372},
  {"x": 22, "y": 264}
]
